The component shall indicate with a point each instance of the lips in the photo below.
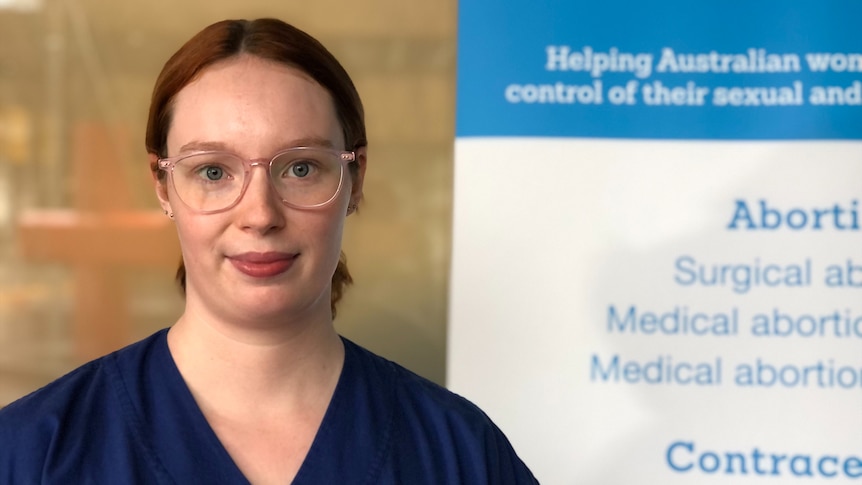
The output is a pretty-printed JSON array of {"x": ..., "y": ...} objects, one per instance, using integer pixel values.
[{"x": 263, "y": 265}]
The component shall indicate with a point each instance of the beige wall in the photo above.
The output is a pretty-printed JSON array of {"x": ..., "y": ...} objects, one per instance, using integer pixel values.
[{"x": 78, "y": 73}]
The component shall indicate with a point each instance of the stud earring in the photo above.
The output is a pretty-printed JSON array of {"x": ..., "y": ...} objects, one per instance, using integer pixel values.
[
  {"x": 171, "y": 215},
  {"x": 351, "y": 208}
]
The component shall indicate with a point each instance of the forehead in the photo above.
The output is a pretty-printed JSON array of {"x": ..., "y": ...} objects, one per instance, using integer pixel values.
[{"x": 252, "y": 105}]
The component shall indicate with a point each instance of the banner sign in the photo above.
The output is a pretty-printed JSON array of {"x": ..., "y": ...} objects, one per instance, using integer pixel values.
[{"x": 657, "y": 255}]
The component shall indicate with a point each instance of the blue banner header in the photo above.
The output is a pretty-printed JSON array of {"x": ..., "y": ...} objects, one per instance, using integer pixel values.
[{"x": 674, "y": 70}]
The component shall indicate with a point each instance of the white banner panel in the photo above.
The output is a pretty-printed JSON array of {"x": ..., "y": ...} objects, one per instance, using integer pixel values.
[{"x": 668, "y": 294}]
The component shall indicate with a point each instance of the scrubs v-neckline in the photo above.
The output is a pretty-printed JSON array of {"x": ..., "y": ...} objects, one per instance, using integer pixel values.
[{"x": 350, "y": 445}]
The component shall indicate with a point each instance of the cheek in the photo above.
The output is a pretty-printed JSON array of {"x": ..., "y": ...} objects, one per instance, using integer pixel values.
[
  {"x": 196, "y": 239},
  {"x": 327, "y": 223},
  {"x": 327, "y": 231},
  {"x": 323, "y": 240}
]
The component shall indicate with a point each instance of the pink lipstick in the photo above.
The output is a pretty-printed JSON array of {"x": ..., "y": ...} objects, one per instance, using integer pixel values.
[{"x": 262, "y": 265}]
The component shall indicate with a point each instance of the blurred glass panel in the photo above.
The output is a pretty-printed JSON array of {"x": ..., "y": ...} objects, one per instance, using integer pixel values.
[
  {"x": 21, "y": 5},
  {"x": 84, "y": 263}
]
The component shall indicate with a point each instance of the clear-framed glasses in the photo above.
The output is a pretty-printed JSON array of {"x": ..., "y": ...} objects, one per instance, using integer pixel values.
[{"x": 212, "y": 181}]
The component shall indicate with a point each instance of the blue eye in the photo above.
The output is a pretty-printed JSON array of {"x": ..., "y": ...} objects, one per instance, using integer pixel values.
[
  {"x": 300, "y": 169},
  {"x": 213, "y": 173}
]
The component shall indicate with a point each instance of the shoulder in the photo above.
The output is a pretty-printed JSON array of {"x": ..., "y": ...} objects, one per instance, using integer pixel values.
[
  {"x": 53, "y": 420},
  {"x": 80, "y": 388},
  {"x": 30, "y": 426},
  {"x": 453, "y": 437},
  {"x": 415, "y": 394},
  {"x": 58, "y": 397}
]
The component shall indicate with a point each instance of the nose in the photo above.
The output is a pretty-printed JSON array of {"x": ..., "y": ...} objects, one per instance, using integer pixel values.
[{"x": 260, "y": 209}]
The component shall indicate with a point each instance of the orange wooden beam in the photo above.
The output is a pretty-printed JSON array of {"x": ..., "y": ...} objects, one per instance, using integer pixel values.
[{"x": 109, "y": 238}]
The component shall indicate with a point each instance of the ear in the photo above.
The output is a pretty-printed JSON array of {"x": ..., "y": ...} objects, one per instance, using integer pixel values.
[
  {"x": 356, "y": 187},
  {"x": 160, "y": 185}
]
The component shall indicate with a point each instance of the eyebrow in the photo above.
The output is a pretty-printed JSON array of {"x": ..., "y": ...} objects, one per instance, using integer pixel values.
[{"x": 197, "y": 145}]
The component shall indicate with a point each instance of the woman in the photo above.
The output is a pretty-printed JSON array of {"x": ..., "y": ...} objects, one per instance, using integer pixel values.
[{"x": 257, "y": 144}]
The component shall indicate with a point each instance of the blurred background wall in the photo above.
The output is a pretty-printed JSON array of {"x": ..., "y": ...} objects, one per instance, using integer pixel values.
[{"x": 86, "y": 258}]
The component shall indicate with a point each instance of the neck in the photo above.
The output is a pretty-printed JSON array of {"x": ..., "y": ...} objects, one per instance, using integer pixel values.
[{"x": 236, "y": 368}]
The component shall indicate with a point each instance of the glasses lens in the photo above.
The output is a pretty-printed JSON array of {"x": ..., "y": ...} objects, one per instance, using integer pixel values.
[
  {"x": 208, "y": 181},
  {"x": 307, "y": 177}
]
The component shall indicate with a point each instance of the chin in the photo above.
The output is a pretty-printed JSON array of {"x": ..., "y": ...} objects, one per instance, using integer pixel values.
[{"x": 278, "y": 303}]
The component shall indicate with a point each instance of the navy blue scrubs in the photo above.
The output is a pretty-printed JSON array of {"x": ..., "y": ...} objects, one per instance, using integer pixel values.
[{"x": 128, "y": 418}]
